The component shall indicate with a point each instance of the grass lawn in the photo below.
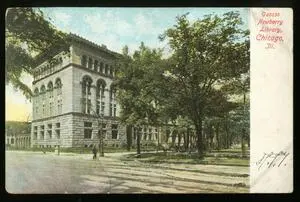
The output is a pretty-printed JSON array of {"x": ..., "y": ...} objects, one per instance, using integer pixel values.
[{"x": 189, "y": 159}]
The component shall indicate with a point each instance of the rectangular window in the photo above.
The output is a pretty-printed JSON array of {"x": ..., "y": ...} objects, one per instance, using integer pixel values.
[
  {"x": 88, "y": 130},
  {"x": 42, "y": 133},
  {"x": 114, "y": 131},
  {"x": 50, "y": 131},
  {"x": 35, "y": 132},
  {"x": 111, "y": 71},
  {"x": 57, "y": 130}
]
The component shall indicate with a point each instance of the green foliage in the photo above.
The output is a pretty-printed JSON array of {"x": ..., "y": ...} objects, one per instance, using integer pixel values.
[
  {"x": 136, "y": 83},
  {"x": 28, "y": 33}
]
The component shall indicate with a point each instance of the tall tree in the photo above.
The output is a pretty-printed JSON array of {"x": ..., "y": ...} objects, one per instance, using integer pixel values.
[
  {"x": 136, "y": 93},
  {"x": 28, "y": 33},
  {"x": 206, "y": 52}
]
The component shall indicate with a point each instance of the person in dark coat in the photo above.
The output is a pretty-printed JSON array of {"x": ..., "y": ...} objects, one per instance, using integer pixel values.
[{"x": 94, "y": 152}]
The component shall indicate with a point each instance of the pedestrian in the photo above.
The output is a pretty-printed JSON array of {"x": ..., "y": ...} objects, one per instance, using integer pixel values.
[{"x": 94, "y": 152}]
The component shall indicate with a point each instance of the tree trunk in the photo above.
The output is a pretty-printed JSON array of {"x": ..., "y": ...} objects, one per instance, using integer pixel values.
[
  {"x": 217, "y": 137},
  {"x": 187, "y": 139},
  {"x": 184, "y": 141},
  {"x": 129, "y": 137},
  {"x": 227, "y": 135},
  {"x": 200, "y": 148},
  {"x": 179, "y": 140},
  {"x": 138, "y": 142},
  {"x": 243, "y": 144}
]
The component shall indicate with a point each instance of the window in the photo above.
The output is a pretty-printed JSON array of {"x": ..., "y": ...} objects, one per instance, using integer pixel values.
[
  {"x": 86, "y": 92},
  {"x": 90, "y": 64},
  {"x": 106, "y": 69},
  {"x": 50, "y": 89},
  {"x": 57, "y": 130},
  {"x": 88, "y": 130},
  {"x": 42, "y": 132},
  {"x": 114, "y": 131},
  {"x": 35, "y": 132},
  {"x": 58, "y": 86},
  {"x": 98, "y": 107},
  {"x": 111, "y": 71},
  {"x": 100, "y": 88},
  {"x": 50, "y": 131},
  {"x": 12, "y": 141},
  {"x": 84, "y": 60},
  {"x": 102, "y": 108},
  {"x": 101, "y": 67},
  {"x": 96, "y": 65}
]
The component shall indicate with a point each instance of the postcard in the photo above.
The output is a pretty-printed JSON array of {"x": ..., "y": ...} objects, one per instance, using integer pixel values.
[{"x": 149, "y": 100}]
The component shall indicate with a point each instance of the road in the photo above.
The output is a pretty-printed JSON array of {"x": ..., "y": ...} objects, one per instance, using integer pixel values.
[{"x": 35, "y": 172}]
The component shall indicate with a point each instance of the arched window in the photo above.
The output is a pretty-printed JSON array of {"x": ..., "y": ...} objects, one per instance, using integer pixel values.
[
  {"x": 36, "y": 92},
  {"x": 106, "y": 69},
  {"x": 112, "y": 99},
  {"x": 84, "y": 60},
  {"x": 36, "y": 102},
  {"x": 96, "y": 65},
  {"x": 50, "y": 90},
  {"x": 43, "y": 93},
  {"x": 100, "y": 96},
  {"x": 58, "y": 86},
  {"x": 90, "y": 64},
  {"x": 86, "y": 92}
]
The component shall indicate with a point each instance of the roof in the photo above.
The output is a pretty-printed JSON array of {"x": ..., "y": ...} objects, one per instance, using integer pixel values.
[{"x": 71, "y": 38}]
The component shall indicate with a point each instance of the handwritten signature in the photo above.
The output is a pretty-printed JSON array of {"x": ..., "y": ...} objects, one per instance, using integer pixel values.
[{"x": 272, "y": 159}]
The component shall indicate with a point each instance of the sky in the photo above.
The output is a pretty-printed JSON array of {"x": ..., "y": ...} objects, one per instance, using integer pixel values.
[{"x": 115, "y": 28}]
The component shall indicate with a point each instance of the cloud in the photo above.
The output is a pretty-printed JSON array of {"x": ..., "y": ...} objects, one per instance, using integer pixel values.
[
  {"x": 63, "y": 17},
  {"x": 144, "y": 25},
  {"x": 108, "y": 22}
]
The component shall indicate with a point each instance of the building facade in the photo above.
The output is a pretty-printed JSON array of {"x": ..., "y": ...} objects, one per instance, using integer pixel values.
[
  {"x": 17, "y": 134},
  {"x": 74, "y": 99}
]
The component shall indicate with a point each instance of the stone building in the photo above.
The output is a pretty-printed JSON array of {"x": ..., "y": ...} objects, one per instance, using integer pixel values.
[
  {"x": 17, "y": 134},
  {"x": 75, "y": 99}
]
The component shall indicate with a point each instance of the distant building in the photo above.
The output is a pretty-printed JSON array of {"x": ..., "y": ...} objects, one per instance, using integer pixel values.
[
  {"x": 75, "y": 99},
  {"x": 17, "y": 134}
]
